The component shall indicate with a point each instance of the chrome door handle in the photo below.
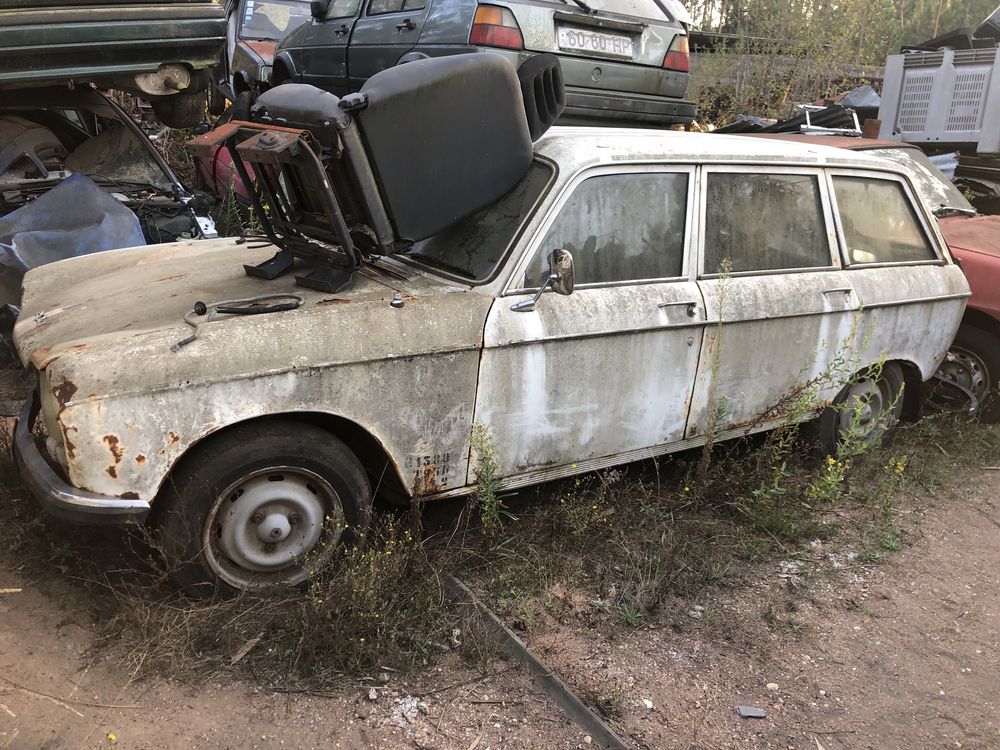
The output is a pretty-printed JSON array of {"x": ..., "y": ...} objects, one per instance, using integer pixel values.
[
  {"x": 843, "y": 289},
  {"x": 692, "y": 306}
]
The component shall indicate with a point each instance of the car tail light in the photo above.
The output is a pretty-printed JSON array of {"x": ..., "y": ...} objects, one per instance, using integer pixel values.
[
  {"x": 495, "y": 26},
  {"x": 678, "y": 56}
]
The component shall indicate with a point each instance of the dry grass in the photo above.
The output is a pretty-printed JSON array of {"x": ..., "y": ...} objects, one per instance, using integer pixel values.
[{"x": 627, "y": 541}]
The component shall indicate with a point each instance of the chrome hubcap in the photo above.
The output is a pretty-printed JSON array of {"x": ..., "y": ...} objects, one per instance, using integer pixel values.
[{"x": 262, "y": 527}]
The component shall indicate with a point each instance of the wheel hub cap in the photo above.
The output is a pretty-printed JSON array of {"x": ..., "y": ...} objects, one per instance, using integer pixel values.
[
  {"x": 268, "y": 522},
  {"x": 275, "y": 528}
]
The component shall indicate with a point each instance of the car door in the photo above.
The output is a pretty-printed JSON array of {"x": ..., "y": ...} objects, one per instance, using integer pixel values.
[
  {"x": 605, "y": 374},
  {"x": 388, "y": 30},
  {"x": 770, "y": 274},
  {"x": 889, "y": 249},
  {"x": 319, "y": 49}
]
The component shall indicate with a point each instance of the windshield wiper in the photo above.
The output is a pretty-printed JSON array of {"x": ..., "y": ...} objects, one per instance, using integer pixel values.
[
  {"x": 582, "y": 4},
  {"x": 134, "y": 186}
]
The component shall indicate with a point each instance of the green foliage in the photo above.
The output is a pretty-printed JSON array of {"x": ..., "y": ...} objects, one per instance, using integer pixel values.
[
  {"x": 789, "y": 53},
  {"x": 487, "y": 466}
]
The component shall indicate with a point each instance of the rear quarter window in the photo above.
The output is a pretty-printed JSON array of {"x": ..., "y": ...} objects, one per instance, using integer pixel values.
[
  {"x": 764, "y": 222},
  {"x": 879, "y": 222}
]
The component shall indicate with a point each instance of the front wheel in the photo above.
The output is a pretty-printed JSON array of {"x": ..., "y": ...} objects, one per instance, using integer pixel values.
[
  {"x": 261, "y": 506},
  {"x": 863, "y": 411}
]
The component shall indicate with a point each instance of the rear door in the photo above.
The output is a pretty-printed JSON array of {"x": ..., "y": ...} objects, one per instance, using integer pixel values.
[
  {"x": 387, "y": 31},
  {"x": 771, "y": 277}
]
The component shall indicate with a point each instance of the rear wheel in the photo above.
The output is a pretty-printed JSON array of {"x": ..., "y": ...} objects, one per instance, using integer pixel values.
[
  {"x": 863, "y": 411},
  {"x": 973, "y": 364},
  {"x": 261, "y": 506}
]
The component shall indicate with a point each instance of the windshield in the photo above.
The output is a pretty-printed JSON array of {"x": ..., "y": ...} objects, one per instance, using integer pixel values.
[
  {"x": 937, "y": 191},
  {"x": 272, "y": 19},
  {"x": 89, "y": 138},
  {"x": 472, "y": 248}
]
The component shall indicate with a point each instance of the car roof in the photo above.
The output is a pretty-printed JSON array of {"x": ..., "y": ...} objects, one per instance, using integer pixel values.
[
  {"x": 852, "y": 142},
  {"x": 574, "y": 148}
]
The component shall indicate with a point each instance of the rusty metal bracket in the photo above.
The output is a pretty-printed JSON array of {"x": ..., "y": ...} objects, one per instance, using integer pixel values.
[
  {"x": 294, "y": 199},
  {"x": 576, "y": 710}
]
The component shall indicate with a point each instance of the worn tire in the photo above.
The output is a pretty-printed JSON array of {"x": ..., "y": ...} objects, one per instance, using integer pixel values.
[
  {"x": 974, "y": 360},
  {"x": 879, "y": 391},
  {"x": 277, "y": 476},
  {"x": 180, "y": 110}
]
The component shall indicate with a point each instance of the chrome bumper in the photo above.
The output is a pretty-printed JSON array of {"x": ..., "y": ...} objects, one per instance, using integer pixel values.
[{"x": 59, "y": 498}]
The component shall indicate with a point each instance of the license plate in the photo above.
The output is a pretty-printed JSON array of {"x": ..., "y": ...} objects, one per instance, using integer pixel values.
[{"x": 596, "y": 42}]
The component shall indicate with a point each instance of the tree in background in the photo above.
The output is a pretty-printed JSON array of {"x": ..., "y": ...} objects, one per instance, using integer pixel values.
[{"x": 790, "y": 51}]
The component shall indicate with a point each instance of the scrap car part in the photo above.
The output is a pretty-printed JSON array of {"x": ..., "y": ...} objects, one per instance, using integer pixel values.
[{"x": 341, "y": 183}]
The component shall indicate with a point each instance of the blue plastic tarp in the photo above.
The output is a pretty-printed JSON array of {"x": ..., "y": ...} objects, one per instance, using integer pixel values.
[{"x": 76, "y": 217}]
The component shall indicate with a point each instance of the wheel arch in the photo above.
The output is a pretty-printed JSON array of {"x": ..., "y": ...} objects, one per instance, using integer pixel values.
[
  {"x": 282, "y": 68},
  {"x": 913, "y": 381},
  {"x": 979, "y": 319},
  {"x": 382, "y": 469}
]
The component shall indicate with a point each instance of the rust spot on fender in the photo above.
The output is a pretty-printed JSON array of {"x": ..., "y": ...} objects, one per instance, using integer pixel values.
[
  {"x": 116, "y": 450},
  {"x": 64, "y": 393},
  {"x": 112, "y": 472},
  {"x": 70, "y": 445},
  {"x": 140, "y": 459},
  {"x": 173, "y": 437},
  {"x": 129, "y": 496},
  {"x": 425, "y": 481},
  {"x": 40, "y": 354}
]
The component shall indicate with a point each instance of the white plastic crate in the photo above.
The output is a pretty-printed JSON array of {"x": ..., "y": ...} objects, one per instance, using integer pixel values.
[{"x": 949, "y": 97}]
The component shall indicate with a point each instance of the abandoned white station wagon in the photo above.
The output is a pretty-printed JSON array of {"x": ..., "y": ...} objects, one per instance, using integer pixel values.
[{"x": 260, "y": 439}]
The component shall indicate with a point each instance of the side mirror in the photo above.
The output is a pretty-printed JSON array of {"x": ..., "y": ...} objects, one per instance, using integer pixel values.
[
  {"x": 560, "y": 277},
  {"x": 318, "y": 9}
]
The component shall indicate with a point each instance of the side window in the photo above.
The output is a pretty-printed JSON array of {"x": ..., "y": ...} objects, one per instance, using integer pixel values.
[
  {"x": 622, "y": 227},
  {"x": 764, "y": 222},
  {"x": 343, "y": 8},
  {"x": 880, "y": 225},
  {"x": 378, "y": 7}
]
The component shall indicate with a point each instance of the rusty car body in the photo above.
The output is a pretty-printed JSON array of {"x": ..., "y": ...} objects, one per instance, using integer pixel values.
[{"x": 663, "y": 340}]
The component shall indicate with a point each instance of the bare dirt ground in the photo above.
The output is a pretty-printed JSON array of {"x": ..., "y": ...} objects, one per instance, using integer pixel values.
[{"x": 839, "y": 653}]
